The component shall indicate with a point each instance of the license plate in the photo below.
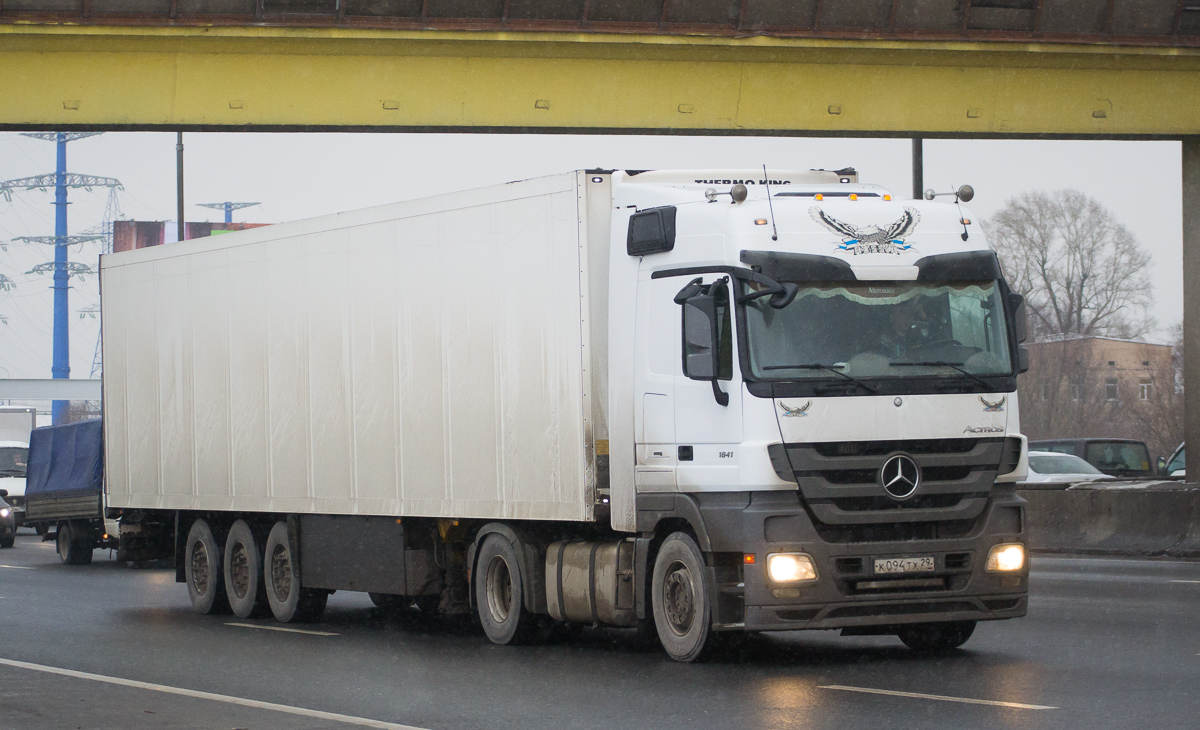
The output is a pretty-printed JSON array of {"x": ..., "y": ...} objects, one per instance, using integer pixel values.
[{"x": 903, "y": 565}]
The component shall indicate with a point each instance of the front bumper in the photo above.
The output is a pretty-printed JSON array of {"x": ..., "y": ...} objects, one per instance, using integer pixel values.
[{"x": 848, "y": 593}]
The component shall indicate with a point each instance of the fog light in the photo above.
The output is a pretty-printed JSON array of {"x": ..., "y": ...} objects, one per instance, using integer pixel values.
[
  {"x": 790, "y": 567},
  {"x": 1006, "y": 557},
  {"x": 5, "y": 512}
]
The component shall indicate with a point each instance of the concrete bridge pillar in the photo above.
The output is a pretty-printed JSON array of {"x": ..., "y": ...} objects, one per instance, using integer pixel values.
[{"x": 1191, "y": 302}]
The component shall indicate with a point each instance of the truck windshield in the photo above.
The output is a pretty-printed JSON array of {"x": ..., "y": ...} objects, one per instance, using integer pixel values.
[
  {"x": 13, "y": 461},
  {"x": 881, "y": 329}
]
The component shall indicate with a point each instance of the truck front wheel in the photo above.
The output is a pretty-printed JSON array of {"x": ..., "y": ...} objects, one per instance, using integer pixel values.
[
  {"x": 202, "y": 570},
  {"x": 679, "y": 594},
  {"x": 243, "y": 568},
  {"x": 72, "y": 545},
  {"x": 289, "y": 602},
  {"x": 936, "y": 638},
  {"x": 500, "y": 593}
]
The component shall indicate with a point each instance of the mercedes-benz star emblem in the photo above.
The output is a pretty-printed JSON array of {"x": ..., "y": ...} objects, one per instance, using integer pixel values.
[{"x": 900, "y": 476}]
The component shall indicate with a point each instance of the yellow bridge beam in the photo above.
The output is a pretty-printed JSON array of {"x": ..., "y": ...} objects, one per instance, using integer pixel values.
[{"x": 62, "y": 76}]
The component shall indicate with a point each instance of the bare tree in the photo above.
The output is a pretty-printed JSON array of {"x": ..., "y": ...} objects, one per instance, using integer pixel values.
[{"x": 1081, "y": 271}]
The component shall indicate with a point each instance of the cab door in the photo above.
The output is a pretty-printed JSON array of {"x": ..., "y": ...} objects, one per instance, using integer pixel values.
[
  {"x": 708, "y": 435},
  {"x": 656, "y": 368}
]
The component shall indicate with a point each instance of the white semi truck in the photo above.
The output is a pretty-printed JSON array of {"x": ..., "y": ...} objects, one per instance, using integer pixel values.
[{"x": 692, "y": 401}]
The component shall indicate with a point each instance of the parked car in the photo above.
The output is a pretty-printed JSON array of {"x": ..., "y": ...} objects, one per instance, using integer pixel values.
[
  {"x": 8, "y": 523},
  {"x": 1175, "y": 466},
  {"x": 1115, "y": 457},
  {"x": 1052, "y": 467}
]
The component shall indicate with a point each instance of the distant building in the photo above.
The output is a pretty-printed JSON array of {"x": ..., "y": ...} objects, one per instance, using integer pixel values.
[
  {"x": 1091, "y": 387},
  {"x": 128, "y": 235}
]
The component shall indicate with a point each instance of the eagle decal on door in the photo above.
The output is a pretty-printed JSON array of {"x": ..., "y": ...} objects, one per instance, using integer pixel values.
[{"x": 871, "y": 239}]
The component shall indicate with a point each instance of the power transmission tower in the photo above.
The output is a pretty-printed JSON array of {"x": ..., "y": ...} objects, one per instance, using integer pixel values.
[
  {"x": 63, "y": 269},
  {"x": 228, "y": 207}
]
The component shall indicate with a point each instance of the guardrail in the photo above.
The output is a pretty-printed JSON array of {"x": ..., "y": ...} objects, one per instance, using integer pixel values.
[{"x": 1145, "y": 518}]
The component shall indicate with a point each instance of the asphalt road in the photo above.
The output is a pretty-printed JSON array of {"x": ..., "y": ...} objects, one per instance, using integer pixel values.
[{"x": 1107, "y": 644}]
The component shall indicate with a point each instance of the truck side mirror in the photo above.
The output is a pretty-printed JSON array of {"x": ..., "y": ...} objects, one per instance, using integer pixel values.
[
  {"x": 700, "y": 337},
  {"x": 1161, "y": 465},
  {"x": 4, "y": 492},
  {"x": 701, "y": 355},
  {"x": 1016, "y": 307}
]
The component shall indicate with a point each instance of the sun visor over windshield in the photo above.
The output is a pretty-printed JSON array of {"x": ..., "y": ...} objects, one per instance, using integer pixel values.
[
  {"x": 962, "y": 266},
  {"x": 798, "y": 266}
]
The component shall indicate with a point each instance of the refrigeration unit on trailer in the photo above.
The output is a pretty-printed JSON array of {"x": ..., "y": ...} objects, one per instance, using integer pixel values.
[{"x": 703, "y": 401}]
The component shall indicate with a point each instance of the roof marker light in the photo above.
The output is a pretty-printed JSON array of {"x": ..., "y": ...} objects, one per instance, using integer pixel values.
[
  {"x": 760, "y": 221},
  {"x": 965, "y": 221},
  {"x": 887, "y": 196},
  {"x": 818, "y": 196},
  {"x": 853, "y": 196}
]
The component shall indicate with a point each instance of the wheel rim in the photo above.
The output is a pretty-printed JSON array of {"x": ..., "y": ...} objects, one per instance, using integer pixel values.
[
  {"x": 678, "y": 601},
  {"x": 239, "y": 569},
  {"x": 64, "y": 542},
  {"x": 499, "y": 590},
  {"x": 200, "y": 568},
  {"x": 281, "y": 573}
]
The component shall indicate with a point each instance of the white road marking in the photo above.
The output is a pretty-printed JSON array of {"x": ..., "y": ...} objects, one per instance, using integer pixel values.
[
  {"x": 282, "y": 628},
  {"x": 1183, "y": 581},
  {"x": 335, "y": 717},
  {"x": 17, "y": 567},
  {"x": 920, "y": 696}
]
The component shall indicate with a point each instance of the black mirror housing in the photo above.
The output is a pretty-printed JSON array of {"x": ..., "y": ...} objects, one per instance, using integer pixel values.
[
  {"x": 1020, "y": 318},
  {"x": 700, "y": 356}
]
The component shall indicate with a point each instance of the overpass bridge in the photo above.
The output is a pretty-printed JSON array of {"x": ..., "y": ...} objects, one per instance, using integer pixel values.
[{"x": 1079, "y": 69}]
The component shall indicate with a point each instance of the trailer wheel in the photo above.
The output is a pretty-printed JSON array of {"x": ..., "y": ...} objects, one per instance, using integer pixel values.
[
  {"x": 937, "y": 637},
  {"x": 500, "y": 593},
  {"x": 289, "y": 602},
  {"x": 243, "y": 568},
  {"x": 679, "y": 594},
  {"x": 8, "y": 542},
  {"x": 72, "y": 549},
  {"x": 202, "y": 570}
]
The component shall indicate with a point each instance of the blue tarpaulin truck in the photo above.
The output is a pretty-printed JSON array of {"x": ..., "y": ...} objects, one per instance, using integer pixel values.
[{"x": 64, "y": 493}]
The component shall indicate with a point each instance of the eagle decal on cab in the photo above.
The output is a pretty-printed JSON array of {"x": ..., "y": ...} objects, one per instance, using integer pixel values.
[
  {"x": 871, "y": 239},
  {"x": 800, "y": 412}
]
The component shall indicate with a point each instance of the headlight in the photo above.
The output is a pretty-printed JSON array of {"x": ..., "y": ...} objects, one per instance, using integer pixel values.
[
  {"x": 5, "y": 512},
  {"x": 790, "y": 567},
  {"x": 1006, "y": 557}
]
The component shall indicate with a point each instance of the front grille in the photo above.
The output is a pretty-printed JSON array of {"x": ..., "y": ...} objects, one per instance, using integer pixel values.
[
  {"x": 839, "y": 480},
  {"x": 896, "y": 531},
  {"x": 848, "y": 565},
  {"x": 896, "y": 585},
  {"x": 933, "y": 501},
  {"x": 882, "y": 448},
  {"x": 958, "y": 561}
]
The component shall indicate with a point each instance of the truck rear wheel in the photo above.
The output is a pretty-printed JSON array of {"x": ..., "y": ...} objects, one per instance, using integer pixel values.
[
  {"x": 289, "y": 602},
  {"x": 938, "y": 637},
  {"x": 202, "y": 570},
  {"x": 72, "y": 549},
  {"x": 679, "y": 594},
  {"x": 500, "y": 593},
  {"x": 244, "y": 571}
]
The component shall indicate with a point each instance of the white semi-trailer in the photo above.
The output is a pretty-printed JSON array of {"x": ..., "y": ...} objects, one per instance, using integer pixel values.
[{"x": 668, "y": 399}]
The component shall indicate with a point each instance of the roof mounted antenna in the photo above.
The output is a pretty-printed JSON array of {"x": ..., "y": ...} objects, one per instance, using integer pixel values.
[{"x": 770, "y": 207}]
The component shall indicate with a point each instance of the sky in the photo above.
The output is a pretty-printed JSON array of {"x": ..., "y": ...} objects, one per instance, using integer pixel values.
[{"x": 301, "y": 175}]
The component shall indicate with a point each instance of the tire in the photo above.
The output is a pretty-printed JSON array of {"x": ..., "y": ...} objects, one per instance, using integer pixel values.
[
  {"x": 202, "y": 568},
  {"x": 680, "y": 598},
  {"x": 289, "y": 602},
  {"x": 243, "y": 569},
  {"x": 500, "y": 593},
  {"x": 936, "y": 638},
  {"x": 71, "y": 547},
  {"x": 8, "y": 542}
]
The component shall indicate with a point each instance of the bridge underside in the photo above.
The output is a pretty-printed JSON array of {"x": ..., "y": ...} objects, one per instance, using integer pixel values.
[{"x": 239, "y": 77}]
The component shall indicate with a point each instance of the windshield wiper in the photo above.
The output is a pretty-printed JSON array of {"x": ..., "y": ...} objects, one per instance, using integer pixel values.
[
  {"x": 831, "y": 368},
  {"x": 943, "y": 363}
]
